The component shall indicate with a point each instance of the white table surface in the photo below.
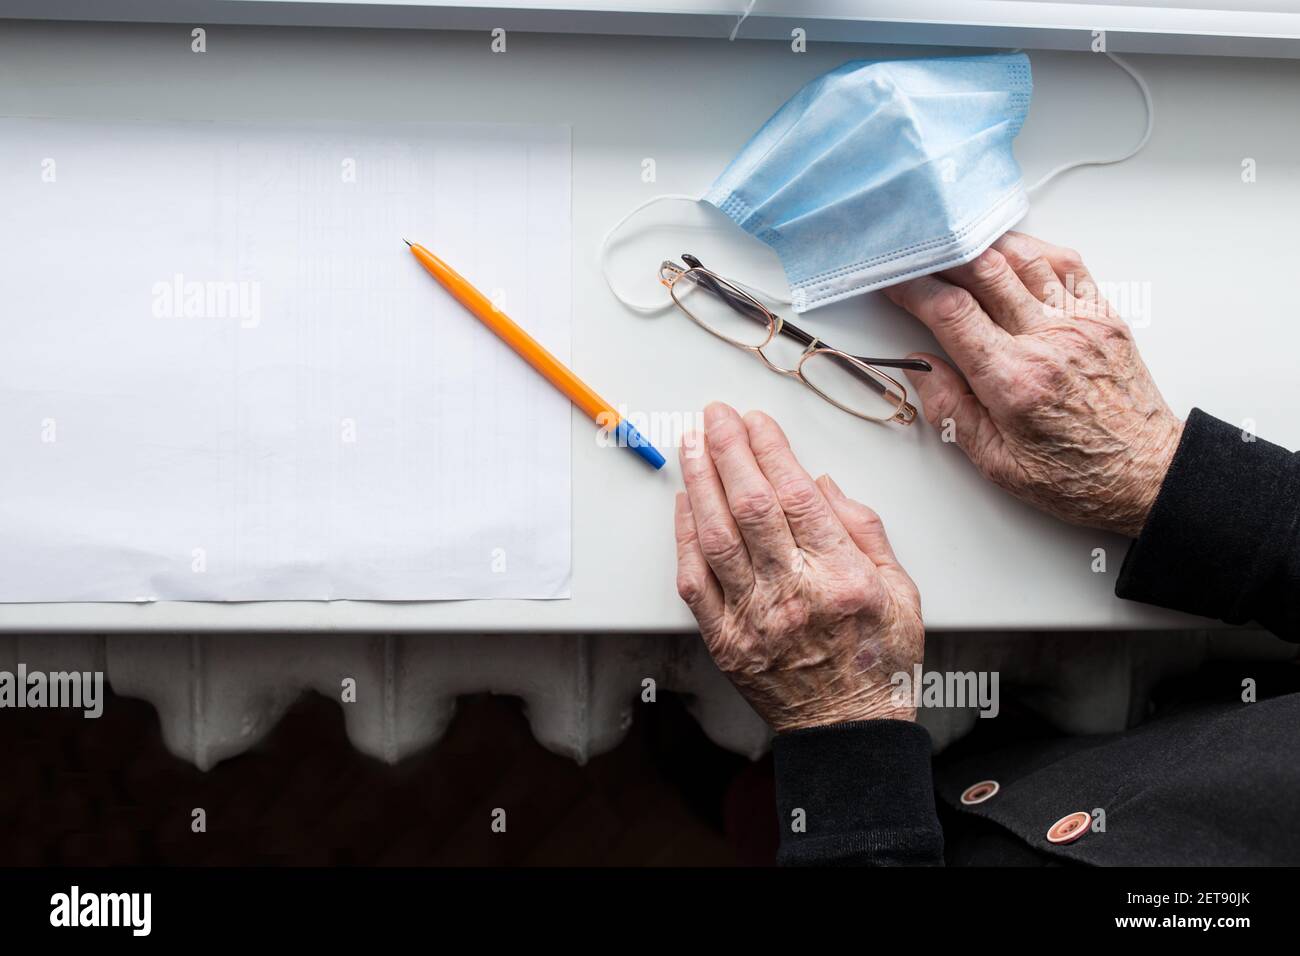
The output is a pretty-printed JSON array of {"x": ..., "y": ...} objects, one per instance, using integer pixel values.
[{"x": 1216, "y": 255}]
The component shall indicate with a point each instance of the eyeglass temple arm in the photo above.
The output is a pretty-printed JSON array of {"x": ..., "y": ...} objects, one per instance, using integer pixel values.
[
  {"x": 744, "y": 307},
  {"x": 907, "y": 412},
  {"x": 912, "y": 365},
  {"x": 747, "y": 308},
  {"x": 803, "y": 338}
]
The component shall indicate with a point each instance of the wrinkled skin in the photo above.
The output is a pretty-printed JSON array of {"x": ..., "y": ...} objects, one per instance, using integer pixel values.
[
  {"x": 796, "y": 589},
  {"x": 1056, "y": 405},
  {"x": 797, "y": 592}
]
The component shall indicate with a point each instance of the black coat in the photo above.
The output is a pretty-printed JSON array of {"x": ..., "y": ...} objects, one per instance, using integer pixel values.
[{"x": 1215, "y": 784}]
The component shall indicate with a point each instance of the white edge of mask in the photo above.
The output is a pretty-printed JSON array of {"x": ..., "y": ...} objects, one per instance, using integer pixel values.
[{"x": 955, "y": 251}]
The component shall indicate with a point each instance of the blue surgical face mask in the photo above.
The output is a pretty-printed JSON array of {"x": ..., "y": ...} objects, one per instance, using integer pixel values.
[{"x": 881, "y": 171}]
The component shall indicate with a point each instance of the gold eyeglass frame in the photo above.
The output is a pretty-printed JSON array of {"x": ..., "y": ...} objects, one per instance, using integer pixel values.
[{"x": 888, "y": 387}]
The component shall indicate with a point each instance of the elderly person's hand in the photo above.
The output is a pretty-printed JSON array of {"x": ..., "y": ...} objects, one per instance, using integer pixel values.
[
  {"x": 798, "y": 594},
  {"x": 1056, "y": 405}
]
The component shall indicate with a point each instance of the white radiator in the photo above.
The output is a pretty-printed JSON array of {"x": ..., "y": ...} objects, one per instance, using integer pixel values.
[{"x": 219, "y": 694}]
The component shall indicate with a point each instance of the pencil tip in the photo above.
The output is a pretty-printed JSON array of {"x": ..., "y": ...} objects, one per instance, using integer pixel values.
[{"x": 407, "y": 241}]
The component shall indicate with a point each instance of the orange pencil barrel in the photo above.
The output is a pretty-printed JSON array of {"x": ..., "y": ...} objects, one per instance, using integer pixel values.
[
  {"x": 575, "y": 389},
  {"x": 578, "y": 391}
]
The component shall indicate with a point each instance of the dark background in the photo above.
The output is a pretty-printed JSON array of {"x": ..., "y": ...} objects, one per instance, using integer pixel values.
[
  {"x": 84, "y": 792},
  {"x": 105, "y": 792}
]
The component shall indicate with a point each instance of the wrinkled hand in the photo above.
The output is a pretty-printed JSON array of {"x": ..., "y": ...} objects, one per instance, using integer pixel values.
[
  {"x": 1057, "y": 406},
  {"x": 796, "y": 589}
]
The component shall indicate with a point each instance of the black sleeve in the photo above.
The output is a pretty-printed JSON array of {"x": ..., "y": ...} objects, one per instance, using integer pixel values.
[
  {"x": 865, "y": 791},
  {"x": 1222, "y": 538}
]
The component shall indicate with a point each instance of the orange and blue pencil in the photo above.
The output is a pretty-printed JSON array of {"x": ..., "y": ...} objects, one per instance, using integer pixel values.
[{"x": 531, "y": 351}]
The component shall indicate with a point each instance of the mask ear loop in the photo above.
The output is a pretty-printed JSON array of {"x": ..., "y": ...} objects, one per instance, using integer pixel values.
[
  {"x": 1151, "y": 122},
  {"x": 743, "y": 17},
  {"x": 650, "y": 308}
]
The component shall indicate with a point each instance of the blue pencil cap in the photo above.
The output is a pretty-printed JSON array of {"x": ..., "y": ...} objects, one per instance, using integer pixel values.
[{"x": 633, "y": 439}]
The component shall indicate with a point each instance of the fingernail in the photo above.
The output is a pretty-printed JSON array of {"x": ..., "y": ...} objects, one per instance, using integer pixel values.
[
  {"x": 835, "y": 489},
  {"x": 715, "y": 412}
]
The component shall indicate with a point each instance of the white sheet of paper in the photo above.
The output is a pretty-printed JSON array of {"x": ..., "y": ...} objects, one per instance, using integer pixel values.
[{"x": 224, "y": 377}]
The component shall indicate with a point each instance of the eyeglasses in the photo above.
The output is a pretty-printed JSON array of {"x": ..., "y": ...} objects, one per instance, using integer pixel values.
[{"x": 853, "y": 383}]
